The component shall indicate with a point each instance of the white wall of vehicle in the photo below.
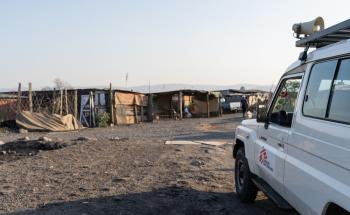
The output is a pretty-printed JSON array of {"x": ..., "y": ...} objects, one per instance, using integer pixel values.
[
  {"x": 317, "y": 168},
  {"x": 247, "y": 135},
  {"x": 272, "y": 171}
]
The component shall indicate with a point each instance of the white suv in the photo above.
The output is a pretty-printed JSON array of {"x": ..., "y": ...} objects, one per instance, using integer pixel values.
[{"x": 297, "y": 151}]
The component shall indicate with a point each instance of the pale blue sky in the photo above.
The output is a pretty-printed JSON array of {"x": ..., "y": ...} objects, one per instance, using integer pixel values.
[{"x": 93, "y": 42}]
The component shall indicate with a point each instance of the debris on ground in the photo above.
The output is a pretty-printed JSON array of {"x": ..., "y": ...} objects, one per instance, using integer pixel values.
[
  {"x": 26, "y": 138},
  {"x": 45, "y": 139},
  {"x": 186, "y": 142},
  {"x": 181, "y": 142},
  {"x": 22, "y": 131},
  {"x": 118, "y": 139},
  {"x": 86, "y": 139}
]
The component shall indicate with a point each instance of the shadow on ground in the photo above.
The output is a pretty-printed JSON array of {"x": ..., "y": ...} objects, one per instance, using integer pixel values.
[
  {"x": 170, "y": 200},
  {"x": 207, "y": 136}
]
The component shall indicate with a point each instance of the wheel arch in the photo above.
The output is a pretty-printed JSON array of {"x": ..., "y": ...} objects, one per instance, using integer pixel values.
[
  {"x": 333, "y": 208},
  {"x": 239, "y": 144}
]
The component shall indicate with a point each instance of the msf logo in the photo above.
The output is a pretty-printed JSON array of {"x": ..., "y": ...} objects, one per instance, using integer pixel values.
[
  {"x": 264, "y": 159},
  {"x": 262, "y": 155}
]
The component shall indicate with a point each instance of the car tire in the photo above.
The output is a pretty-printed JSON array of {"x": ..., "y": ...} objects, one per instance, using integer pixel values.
[{"x": 245, "y": 188}]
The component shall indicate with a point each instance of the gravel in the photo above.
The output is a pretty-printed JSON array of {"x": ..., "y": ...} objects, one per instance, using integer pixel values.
[{"x": 100, "y": 174}]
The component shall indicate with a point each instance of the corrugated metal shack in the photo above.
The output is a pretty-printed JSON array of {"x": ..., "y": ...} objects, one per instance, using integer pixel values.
[{"x": 185, "y": 104}]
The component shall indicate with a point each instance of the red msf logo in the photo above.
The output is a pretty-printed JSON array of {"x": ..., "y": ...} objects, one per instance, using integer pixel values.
[{"x": 263, "y": 155}]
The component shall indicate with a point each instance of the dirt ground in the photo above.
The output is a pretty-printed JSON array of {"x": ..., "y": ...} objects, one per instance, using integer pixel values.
[{"x": 125, "y": 170}]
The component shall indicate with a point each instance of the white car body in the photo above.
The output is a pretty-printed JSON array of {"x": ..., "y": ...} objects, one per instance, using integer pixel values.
[
  {"x": 235, "y": 106},
  {"x": 308, "y": 164}
]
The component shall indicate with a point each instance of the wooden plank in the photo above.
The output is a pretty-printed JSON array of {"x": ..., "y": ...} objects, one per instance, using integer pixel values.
[
  {"x": 19, "y": 98},
  {"x": 54, "y": 101},
  {"x": 30, "y": 97},
  {"x": 61, "y": 102},
  {"x": 135, "y": 112},
  {"x": 111, "y": 104},
  {"x": 142, "y": 113},
  {"x": 208, "y": 110},
  {"x": 66, "y": 101},
  {"x": 180, "y": 104},
  {"x": 76, "y": 104}
]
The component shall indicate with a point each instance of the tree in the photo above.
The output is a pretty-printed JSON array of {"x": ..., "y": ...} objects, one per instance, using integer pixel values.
[{"x": 60, "y": 84}]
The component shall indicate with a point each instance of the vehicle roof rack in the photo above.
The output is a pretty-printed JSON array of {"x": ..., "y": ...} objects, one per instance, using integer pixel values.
[{"x": 327, "y": 36}]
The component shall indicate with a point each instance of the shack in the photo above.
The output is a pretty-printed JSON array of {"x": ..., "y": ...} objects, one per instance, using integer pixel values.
[
  {"x": 185, "y": 104},
  {"x": 8, "y": 105},
  {"x": 232, "y": 98},
  {"x": 129, "y": 107},
  {"x": 87, "y": 105}
]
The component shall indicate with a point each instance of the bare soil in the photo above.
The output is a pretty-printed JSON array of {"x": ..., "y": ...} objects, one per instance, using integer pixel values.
[{"x": 125, "y": 170}]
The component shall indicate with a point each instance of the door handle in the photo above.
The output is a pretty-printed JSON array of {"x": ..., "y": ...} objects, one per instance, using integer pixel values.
[{"x": 263, "y": 138}]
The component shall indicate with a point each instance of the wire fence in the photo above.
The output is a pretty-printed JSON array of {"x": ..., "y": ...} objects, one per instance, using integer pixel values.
[{"x": 61, "y": 102}]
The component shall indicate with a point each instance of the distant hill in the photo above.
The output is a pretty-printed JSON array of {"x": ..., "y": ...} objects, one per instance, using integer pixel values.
[
  {"x": 172, "y": 87},
  {"x": 7, "y": 89}
]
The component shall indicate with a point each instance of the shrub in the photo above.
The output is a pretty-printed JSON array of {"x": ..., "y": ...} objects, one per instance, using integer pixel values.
[{"x": 102, "y": 119}]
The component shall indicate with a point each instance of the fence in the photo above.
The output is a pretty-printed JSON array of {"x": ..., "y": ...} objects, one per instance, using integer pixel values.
[{"x": 62, "y": 102}]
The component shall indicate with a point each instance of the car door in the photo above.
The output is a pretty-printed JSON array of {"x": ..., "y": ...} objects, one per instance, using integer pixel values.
[{"x": 270, "y": 151}]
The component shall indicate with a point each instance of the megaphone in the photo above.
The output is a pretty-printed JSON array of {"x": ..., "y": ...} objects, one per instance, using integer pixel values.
[{"x": 308, "y": 28}]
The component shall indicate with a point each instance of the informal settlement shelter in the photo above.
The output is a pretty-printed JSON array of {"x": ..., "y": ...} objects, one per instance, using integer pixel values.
[
  {"x": 8, "y": 105},
  {"x": 232, "y": 98},
  {"x": 85, "y": 105},
  {"x": 185, "y": 104},
  {"x": 129, "y": 107}
]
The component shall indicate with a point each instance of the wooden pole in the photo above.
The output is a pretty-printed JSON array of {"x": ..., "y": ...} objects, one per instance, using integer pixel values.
[
  {"x": 61, "y": 102},
  {"x": 142, "y": 112},
  {"x": 76, "y": 104},
  {"x": 150, "y": 108},
  {"x": 30, "y": 97},
  {"x": 66, "y": 100},
  {"x": 208, "y": 111},
  {"x": 19, "y": 98},
  {"x": 111, "y": 104},
  {"x": 136, "y": 117},
  {"x": 54, "y": 101},
  {"x": 180, "y": 104},
  {"x": 220, "y": 106}
]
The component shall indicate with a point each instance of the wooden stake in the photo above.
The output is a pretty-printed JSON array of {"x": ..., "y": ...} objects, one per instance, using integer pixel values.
[
  {"x": 111, "y": 104},
  {"x": 61, "y": 102},
  {"x": 54, "y": 101},
  {"x": 142, "y": 112},
  {"x": 180, "y": 104},
  {"x": 19, "y": 98},
  {"x": 135, "y": 111},
  {"x": 208, "y": 111},
  {"x": 76, "y": 104},
  {"x": 30, "y": 97},
  {"x": 66, "y": 101}
]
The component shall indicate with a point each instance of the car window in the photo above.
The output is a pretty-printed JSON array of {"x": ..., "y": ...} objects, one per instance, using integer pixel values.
[
  {"x": 318, "y": 89},
  {"x": 285, "y": 101},
  {"x": 340, "y": 101}
]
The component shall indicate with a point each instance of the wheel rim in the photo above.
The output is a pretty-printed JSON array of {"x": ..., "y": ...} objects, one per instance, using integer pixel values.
[{"x": 240, "y": 174}]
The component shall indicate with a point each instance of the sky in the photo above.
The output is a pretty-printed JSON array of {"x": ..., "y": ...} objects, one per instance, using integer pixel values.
[{"x": 209, "y": 42}]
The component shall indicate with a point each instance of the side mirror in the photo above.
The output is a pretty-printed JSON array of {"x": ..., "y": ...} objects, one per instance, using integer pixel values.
[{"x": 261, "y": 115}]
